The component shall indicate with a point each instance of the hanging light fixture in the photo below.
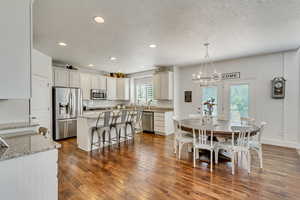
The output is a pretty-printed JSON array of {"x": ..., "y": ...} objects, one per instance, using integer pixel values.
[{"x": 203, "y": 77}]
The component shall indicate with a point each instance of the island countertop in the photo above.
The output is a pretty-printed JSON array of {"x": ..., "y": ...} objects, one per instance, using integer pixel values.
[
  {"x": 25, "y": 144},
  {"x": 93, "y": 114}
]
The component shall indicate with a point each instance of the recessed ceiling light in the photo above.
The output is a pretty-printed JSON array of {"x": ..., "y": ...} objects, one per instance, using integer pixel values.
[
  {"x": 62, "y": 44},
  {"x": 99, "y": 20},
  {"x": 152, "y": 45},
  {"x": 91, "y": 65},
  {"x": 113, "y": 58}
]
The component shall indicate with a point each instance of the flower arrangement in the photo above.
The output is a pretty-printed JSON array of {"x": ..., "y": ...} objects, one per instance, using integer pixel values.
[{"x": 209, "y": 104}]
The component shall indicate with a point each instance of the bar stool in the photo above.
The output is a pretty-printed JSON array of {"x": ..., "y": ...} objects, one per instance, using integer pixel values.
[
  {"x": 113, "y": 124},
  {"x": 102, "y": 127},
  {"x": 122, "y": 125},
  {"x": 131, "y": 121},
  {"x": 139, "y": 121}
]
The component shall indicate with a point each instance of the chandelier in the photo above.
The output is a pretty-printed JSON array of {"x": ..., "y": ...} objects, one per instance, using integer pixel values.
[{"x": 203, "y": 77}]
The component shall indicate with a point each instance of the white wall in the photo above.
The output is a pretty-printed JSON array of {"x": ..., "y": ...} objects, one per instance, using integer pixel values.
[
  {"x": 282, "y": 115},
  {"x": 14, "y": 110},
  {"x": 41, "y": 65}
]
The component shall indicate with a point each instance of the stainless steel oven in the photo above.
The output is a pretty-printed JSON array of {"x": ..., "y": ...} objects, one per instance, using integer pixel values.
[{"x": 98, "y": 94}]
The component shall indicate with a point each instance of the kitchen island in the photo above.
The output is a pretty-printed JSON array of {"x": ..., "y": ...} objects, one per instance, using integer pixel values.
[
  {"x": 28, "y": 167},
  {"x": 163, "y": 124},
  {"x": 85, "y": 123}
]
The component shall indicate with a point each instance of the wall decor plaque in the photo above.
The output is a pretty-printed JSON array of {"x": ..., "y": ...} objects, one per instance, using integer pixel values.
[{"x": 231, "y": 75}]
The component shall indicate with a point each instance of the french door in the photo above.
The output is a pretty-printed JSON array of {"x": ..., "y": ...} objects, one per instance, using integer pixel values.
[{"x": 234, "y": 99}]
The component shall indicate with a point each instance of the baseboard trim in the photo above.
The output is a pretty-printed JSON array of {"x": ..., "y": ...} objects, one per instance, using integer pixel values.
[{"x": 281, "y": 143}]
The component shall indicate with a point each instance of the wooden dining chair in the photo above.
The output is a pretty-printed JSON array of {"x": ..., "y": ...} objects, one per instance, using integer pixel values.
[{"x": 203, "y": 139}]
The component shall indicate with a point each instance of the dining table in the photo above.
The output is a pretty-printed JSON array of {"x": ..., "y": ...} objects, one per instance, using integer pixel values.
[{"x": 222, "y": 130}]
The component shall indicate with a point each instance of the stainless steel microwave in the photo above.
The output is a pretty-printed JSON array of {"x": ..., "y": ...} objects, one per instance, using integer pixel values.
[{"x": 98, "y": 94}]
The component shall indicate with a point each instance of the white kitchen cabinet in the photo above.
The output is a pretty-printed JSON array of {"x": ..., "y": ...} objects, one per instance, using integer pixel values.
[
  {"x": 163, "y": 123},
  {"x": 15, "y": 49},
  {"x": 111, "y": 88},
  {"x": 163, "y": 86},
  {"x": 32, "y": 177},
  {"x": 123, "y": 89},
  {"x": 66, "y": 78},
  {"x": 98, "y": 82},
  {"x": 85, "y": 85},
  {"x": 74, "y": 79},
  {"x": 118, "y": 88},
  {"x": 61, "y": 77}
]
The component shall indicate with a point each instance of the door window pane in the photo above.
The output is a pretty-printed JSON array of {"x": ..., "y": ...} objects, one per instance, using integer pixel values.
[
  {"x": 239, "y": 102},
  {"x": 209, "y": 93}
]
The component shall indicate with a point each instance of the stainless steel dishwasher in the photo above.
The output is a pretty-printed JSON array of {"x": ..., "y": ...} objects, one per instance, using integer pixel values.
[{"x": 148, "y": 121}]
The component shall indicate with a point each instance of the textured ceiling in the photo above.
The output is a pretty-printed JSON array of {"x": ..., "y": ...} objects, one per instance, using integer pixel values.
[{"x": 234, "y": 28}]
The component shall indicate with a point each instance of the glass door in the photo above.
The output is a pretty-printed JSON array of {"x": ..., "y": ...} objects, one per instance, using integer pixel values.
[{"x": 239, "y": 102}]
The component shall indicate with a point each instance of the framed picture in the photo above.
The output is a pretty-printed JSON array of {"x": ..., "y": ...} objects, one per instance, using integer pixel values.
[{"x": 188, "y": 96}]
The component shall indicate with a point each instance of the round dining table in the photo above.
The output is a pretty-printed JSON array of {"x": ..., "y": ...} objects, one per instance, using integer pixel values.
[{"x": 222, "y": 130}]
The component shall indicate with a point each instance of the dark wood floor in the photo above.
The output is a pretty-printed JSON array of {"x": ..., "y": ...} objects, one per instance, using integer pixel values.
[{"x": 147, "y": 169}]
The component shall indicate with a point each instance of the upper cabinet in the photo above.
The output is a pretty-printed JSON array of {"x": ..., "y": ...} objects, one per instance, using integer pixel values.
[
  {"x": 15, "y": 49},
  {"x": 74, "y": 79},
  {"x": 111, "y": 88},
  {"x": 98, "y": 82},
  {"x": 66, "y": 78},
  {"x": 163, "y": 85},
  {"x": 118, "y": 88},
  {"x": 123, "y": 89},
  {"x": 85, "y": 85},
  {"x": 61, "y": 77}
]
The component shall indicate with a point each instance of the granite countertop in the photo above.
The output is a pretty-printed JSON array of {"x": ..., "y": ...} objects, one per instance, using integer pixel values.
[
  {"x": 25, "y": 144},
  {"x": 17, "y": 125}
]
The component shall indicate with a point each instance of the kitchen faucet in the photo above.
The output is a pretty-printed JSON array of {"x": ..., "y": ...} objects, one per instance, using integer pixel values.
[{"x": 149, "y": 103}]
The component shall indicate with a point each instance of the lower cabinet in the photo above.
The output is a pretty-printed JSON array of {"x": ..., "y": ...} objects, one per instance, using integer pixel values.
[
  {"x": 163, "y": 123},
  {"x": 32, "y": 177}
]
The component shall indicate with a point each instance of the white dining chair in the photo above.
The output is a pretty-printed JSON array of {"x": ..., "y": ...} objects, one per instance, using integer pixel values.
[
  {"x": 256, "y": 145},
  {"x": 181, "y": 137},
  {"x": 245, "y": 121},
  {"x": 239, "y": 144},
  {"x": 203, "y": 139}
]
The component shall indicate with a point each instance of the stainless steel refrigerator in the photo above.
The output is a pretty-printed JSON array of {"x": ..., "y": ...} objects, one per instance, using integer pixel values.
[{"x": 67, "y": 106}]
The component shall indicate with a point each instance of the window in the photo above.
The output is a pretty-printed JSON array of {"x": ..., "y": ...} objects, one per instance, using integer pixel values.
[
  {"x": 209, "y": 93},
  {"x": 144, "y": 90},
  {"x": 239, "y": 102}
]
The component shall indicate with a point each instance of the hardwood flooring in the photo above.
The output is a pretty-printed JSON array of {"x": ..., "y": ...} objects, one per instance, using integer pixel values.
[{"x": 148, "y": 169}]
